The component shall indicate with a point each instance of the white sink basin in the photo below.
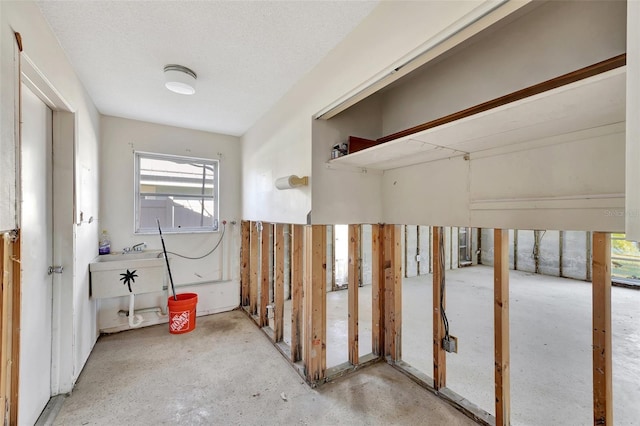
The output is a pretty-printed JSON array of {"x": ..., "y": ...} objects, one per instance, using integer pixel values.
[{"x": 122, "y": 274}]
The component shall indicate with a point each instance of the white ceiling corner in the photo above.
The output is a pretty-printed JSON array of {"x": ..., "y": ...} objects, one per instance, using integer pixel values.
[{"x": 247, "y": 54}]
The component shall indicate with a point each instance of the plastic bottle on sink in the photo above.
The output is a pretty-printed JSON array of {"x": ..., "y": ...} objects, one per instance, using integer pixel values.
[{"x": 104, "y": 244}]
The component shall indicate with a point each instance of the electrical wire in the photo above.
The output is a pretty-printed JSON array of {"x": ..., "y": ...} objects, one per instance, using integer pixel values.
[
  {"x": 224, "y": 228},
  {"x": 445, "y": 321}
]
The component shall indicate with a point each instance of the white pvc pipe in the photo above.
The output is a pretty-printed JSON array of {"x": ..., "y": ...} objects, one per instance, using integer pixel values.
[{"x": 132, "y": 314}]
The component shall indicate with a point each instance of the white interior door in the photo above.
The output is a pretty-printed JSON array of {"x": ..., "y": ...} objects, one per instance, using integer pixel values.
[{"x": 36, "y": 223}]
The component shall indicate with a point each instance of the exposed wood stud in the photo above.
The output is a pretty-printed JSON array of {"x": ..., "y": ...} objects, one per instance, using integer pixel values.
[
  {"x": 278, "y": 237},
  {"x": 263, "y": 319},
  {"x": 297, "y": 237},
  {"x": 16, "y": 302},
  {"x": 501, "y": 326},
  {"x": 601, "y": 290},
  {"x": 354, "y": 250},
  {"x": 5, "y": 322},
  {"x": 377, "y": 289},
  {"x": 315, "y": 303},
  {"x": 438, "y": 268},
  {"x": 393, "y": 290},
  {"x": 254, "y": 266},
  {"x": 244, "y": 262}
]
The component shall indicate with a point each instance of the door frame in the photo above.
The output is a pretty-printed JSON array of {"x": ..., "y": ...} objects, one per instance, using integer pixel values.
[{"x": 64, "y": 211}]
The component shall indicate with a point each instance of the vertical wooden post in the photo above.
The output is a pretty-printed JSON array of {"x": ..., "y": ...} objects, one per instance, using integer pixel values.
[
  {"x": 393, "y": 290},
  {"x": 16, "y": 302},
  {"x": 254, "y": 266},
  {"x": 315, "y": 302},
  {"x": 377, "y": 289},
  {"x": 501, "y": 326},
  {"x": 244, "y": 262},
  {"x": 601, "y": 291},
  {"x": 263, "y": 320},
  {"x": 354, "y": 251},
  {"x": 5, "y": 322},
  {"x": 438, "y": 268},
  {"x": 278, "y": 237},
  {"x": 297, "y": 238}
]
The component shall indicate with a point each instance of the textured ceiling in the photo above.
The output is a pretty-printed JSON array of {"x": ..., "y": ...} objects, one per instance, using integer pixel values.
[{"x": 247, "y": 54}]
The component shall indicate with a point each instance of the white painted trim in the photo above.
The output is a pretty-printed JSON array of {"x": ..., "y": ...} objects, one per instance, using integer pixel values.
[
  {"x": 42, "y": 87},
  {"x": 590, "y": 201},
  {"x": 63, "y": 374}
]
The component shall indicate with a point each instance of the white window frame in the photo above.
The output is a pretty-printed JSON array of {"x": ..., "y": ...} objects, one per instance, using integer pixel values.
[{"x": 215, "y": 164}]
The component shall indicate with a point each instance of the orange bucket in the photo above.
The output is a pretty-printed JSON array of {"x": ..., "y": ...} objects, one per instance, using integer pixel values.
[{"x": 182, "y": 313}]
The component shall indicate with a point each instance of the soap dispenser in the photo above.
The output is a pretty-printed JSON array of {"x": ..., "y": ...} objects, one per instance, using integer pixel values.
[{"x": 104, "y": 244}]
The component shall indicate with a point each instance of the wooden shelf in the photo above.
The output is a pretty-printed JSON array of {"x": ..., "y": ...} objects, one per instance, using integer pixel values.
[{"x": 591, "y": 102}]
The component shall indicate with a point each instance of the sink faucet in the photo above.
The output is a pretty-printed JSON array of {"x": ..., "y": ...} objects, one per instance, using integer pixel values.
[{"x": 137, "y": 247}]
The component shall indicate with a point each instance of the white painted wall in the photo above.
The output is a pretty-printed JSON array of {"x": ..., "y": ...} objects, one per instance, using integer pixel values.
[
  {"x": 74, "y": 323},
  {"x": 216, "y": 276},
  {"x": 280, "y": 143},
  {"x": 552, "y": 39},
  {"x": 572, "y": 181},
  {"x": 346, "y": 195},
  {"x": 428, "y": 194},
  {"x": 633, "y": 122},
  {"x": 546, "y": 184}
]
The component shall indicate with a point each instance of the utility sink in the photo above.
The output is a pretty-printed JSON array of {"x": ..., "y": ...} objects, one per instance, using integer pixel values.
[{"x": 122, "y": 274}]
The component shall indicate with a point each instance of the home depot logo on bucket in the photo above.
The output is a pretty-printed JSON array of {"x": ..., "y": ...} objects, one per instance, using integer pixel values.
[
  {"x": 182, "y": 312},
  {"x": 179, "y": 321}
]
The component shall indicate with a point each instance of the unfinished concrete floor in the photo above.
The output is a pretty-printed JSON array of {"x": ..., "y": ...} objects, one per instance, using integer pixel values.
[
  {"x": 227, "y": 372},
  {"x": 550, "y": 320}
]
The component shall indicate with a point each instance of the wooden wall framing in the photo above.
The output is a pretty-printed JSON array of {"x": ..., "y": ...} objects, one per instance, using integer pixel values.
[
  {"x": 278, "y": 269},
  {"x": 353, "y": 286},
  {"x": 393, "y": 291},
  {"x": 263, "y": 319},
  {"x": 501, "y": 326},
  {"x": 10, "y": 294},
  {"x": 438, "y": 268},
  {"x": 601, "y": 305},
  {"x": 297, "y": 243},
  {"x": 315, "y": 302},
  {"x": 377, "y": 289},
  {"x": 245, "y": 230},
  {"x": 308, "y": 257},
  {"x": 254, "y": 266}
]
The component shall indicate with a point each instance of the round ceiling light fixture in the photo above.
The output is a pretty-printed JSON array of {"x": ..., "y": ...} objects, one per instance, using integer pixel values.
[{"x": 180, "y": 79}]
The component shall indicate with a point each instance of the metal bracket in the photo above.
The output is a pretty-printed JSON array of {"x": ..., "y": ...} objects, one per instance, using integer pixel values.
[{"x": 13, "y": 235}]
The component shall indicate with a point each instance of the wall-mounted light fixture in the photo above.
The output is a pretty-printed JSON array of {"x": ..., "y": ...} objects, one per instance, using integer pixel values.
[
  {"x": 292, "y": 181},
  {"x": 180, "y": 79}
]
